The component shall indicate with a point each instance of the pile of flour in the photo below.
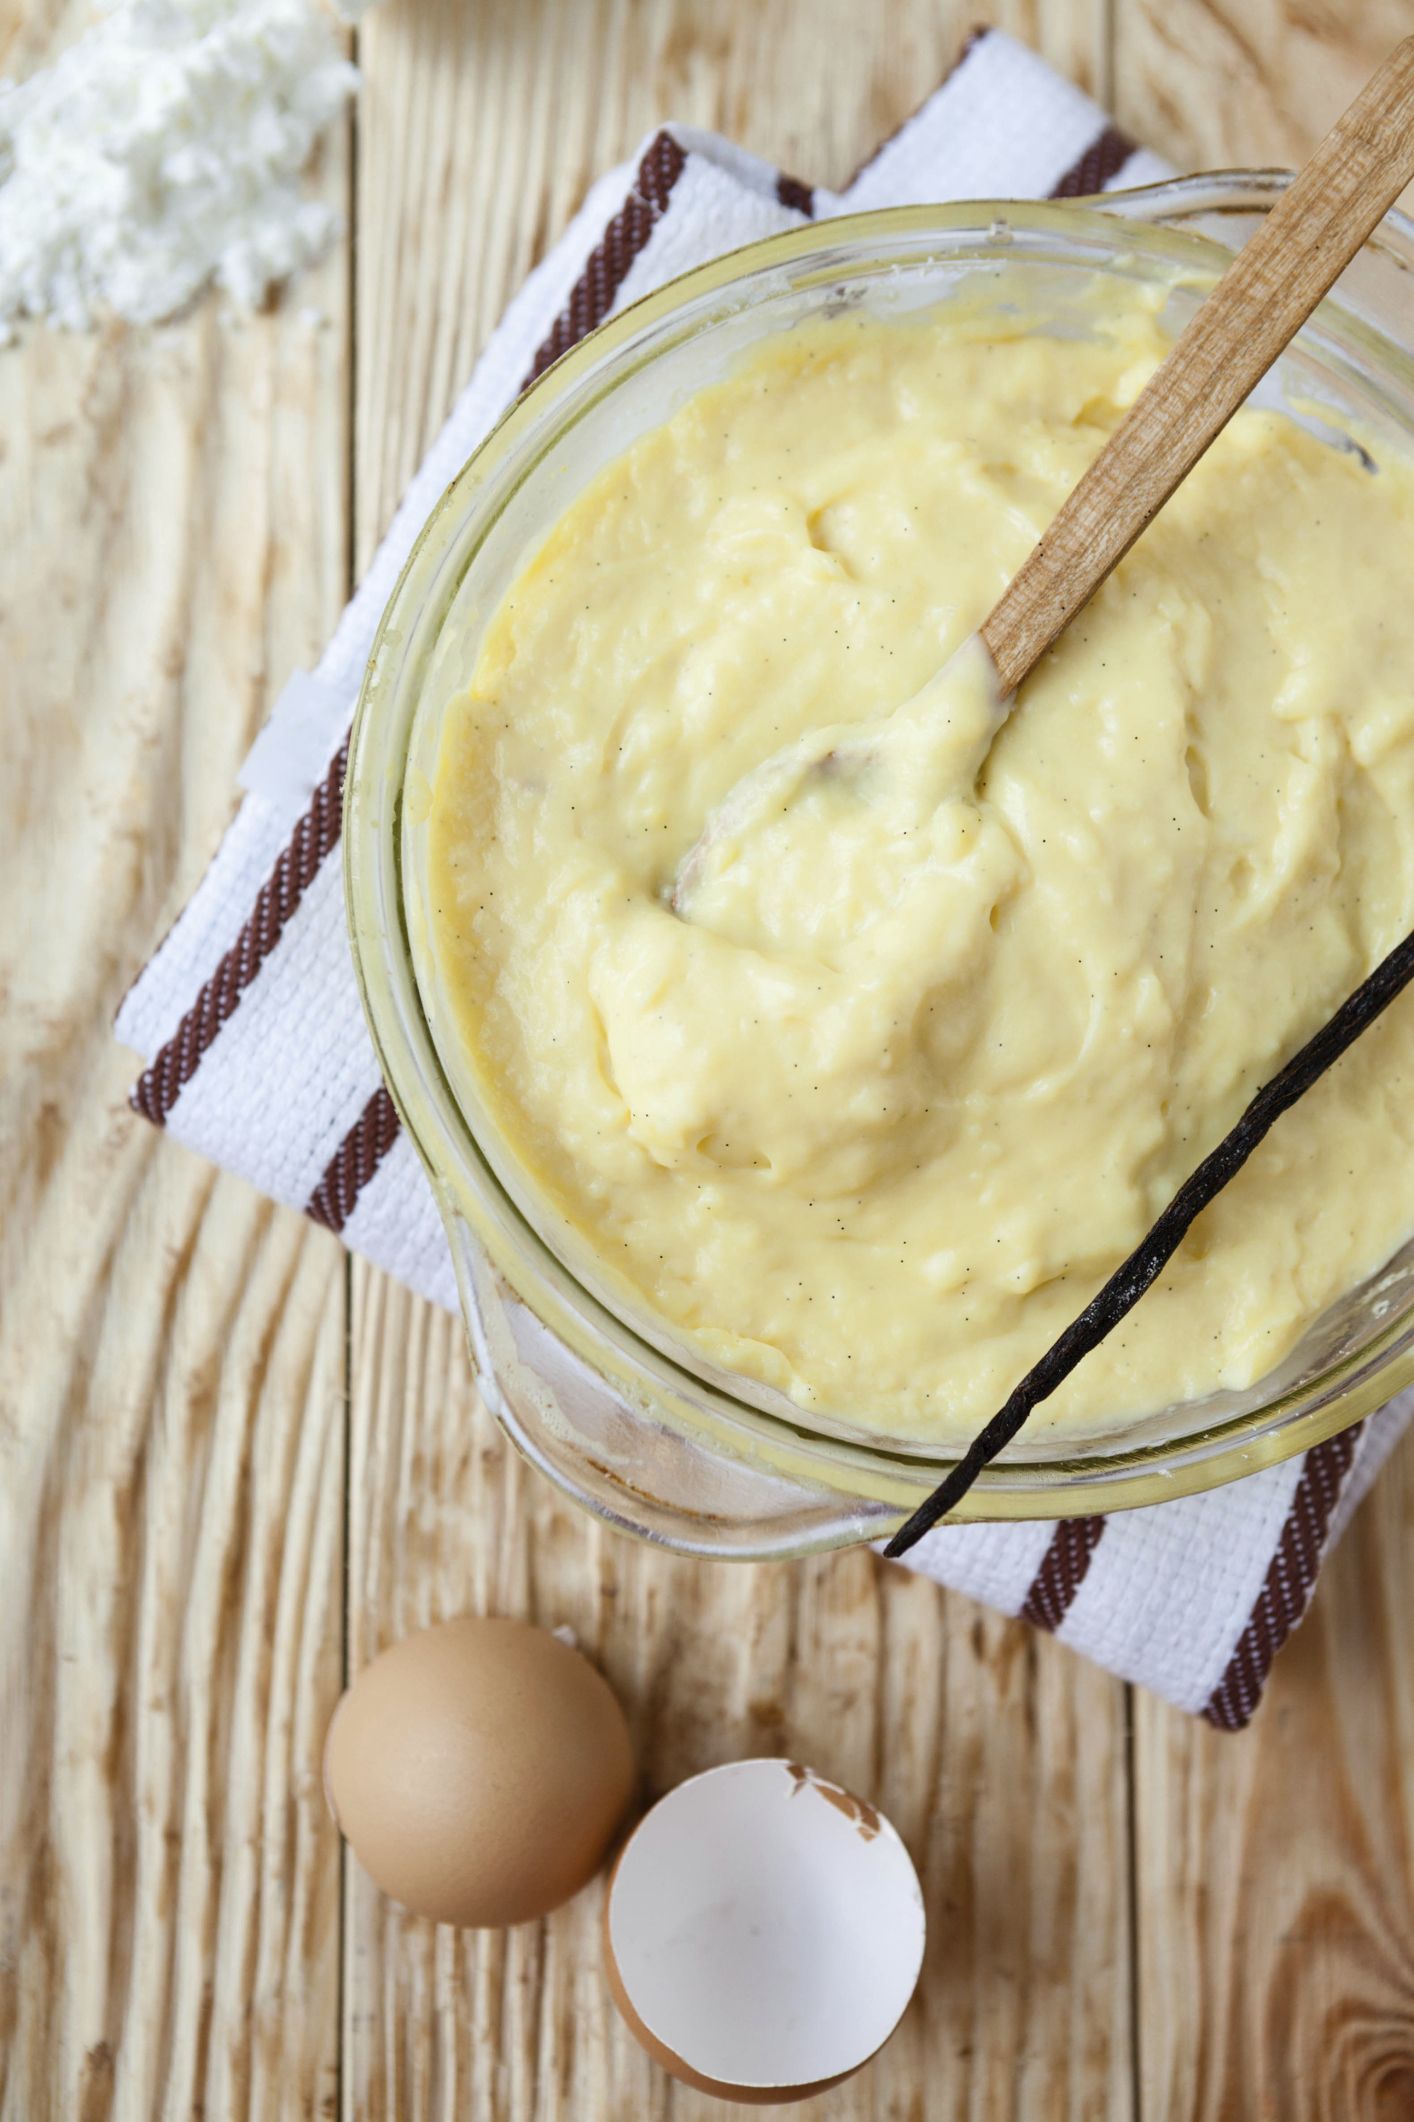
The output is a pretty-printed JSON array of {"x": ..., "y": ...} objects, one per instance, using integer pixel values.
[{"x": 162, "y": 150}]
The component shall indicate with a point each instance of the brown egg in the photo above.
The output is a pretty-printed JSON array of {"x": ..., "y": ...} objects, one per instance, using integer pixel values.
[{"x": 479, "y": 1769}]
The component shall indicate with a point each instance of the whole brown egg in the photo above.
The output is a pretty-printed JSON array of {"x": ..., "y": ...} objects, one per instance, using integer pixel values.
[{"x": 479, "y": 1769}]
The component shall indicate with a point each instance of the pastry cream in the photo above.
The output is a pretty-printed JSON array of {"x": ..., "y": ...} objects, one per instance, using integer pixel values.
[{"x": 868, "y": 1096}]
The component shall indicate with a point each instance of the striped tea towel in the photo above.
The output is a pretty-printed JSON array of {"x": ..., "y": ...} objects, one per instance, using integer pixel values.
[{"x": 251, "y": 1016}]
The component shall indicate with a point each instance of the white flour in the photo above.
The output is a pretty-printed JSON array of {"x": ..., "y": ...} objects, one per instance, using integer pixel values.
[{"x": 161, "y": 150}]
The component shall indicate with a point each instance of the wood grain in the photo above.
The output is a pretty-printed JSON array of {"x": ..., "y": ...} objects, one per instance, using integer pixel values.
[
  {"x": 173, "y": 514},
  {"x": 1276, "y": 1918},
  {"x": 1221, "y": 84}
]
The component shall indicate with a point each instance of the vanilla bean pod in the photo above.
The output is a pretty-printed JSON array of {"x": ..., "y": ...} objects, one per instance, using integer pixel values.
[{"x": 1129, "y": 1282}]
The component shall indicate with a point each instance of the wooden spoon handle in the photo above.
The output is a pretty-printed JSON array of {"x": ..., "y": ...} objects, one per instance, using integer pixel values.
[{"x": 1258, "y": 306}]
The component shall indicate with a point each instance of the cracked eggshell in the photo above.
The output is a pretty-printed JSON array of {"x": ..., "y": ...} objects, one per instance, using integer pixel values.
[
  {"x": 479, "y": 1769},
  {"x": 763, "y": 1932}
]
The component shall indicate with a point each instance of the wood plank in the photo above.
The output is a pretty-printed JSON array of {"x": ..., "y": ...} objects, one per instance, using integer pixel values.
[
  {"x": 1222, "y": 84},
  {"x": 1275, "y": 1869},
  {"x": 479, "y": 133},
  {"x": 173, "y": 512}
]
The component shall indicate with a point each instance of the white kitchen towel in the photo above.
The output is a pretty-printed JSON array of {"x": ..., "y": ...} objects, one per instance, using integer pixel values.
[{"x": 251, "y": 1014}]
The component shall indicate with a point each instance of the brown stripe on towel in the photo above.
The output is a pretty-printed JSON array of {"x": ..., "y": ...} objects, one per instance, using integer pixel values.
[
  {"x": 158, "y": 1087},
  {"x": 1062, "y": 1571},
  {"x": 1104, "y": 158},
  {"x": 354, "y": 1162},
  {"x": 593, "y": 293},
  {"x": 791, "y": 192},
  {"x": 1290, "y": 1578}
]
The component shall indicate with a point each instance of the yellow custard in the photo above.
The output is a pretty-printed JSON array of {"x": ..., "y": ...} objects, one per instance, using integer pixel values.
[{"x": 871, "y": 1097}]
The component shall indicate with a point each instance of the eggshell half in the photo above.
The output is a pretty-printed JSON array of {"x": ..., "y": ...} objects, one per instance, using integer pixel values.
[
  {"x": 763, "y": 1932},
  {"x": 479, "y": 1769}
]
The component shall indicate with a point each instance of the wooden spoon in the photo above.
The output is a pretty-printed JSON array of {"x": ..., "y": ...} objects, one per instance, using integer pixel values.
[{"x": 1253, "y": 313}]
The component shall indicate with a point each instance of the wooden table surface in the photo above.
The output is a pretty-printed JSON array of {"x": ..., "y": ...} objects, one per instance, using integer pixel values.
[{"x": 232, "y": 1466}]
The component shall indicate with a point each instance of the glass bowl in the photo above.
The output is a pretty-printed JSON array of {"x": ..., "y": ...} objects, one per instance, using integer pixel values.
[{"x": 591, "y": 1385}]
